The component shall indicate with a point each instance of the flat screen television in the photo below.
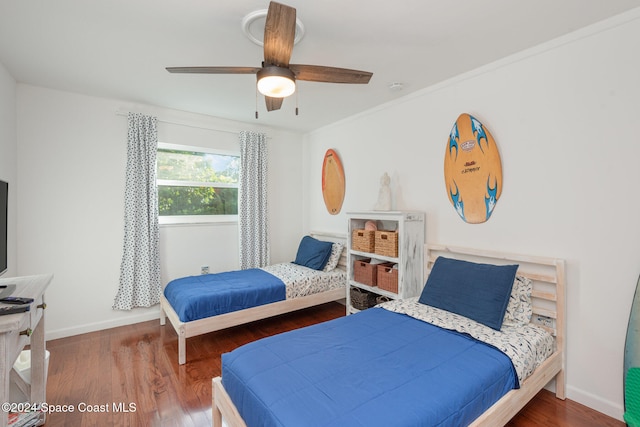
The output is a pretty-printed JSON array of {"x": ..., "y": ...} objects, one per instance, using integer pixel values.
[{"x": 4, "y": 201}]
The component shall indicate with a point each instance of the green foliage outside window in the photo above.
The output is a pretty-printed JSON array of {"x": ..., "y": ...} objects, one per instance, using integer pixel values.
[
  {"x": 197, "y": 201},
  {"x": 196, "y": 183}
]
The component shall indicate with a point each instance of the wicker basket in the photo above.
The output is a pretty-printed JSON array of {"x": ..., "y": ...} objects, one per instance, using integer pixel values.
[
  {"x": 382, "y": 298},
  {"x": 365, "y": 272},
  {"x": 363, "y": 240},
  {"x": 387, "y": 277},
  {"x": 386, "y": 243},
  {"x": 362, "y": 299}
]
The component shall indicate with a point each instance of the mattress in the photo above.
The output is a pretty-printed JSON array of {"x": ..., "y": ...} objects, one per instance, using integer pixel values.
[
  {"x": 376, "y": 367},
  {"x": 199, "y": 297}
]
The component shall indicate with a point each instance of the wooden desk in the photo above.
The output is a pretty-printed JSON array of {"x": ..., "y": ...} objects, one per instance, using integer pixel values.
[{"x": 20, "y": 329}]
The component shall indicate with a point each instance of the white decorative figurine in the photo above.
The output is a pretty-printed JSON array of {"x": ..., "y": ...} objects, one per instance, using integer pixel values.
[{"x": 384, "y": 195}]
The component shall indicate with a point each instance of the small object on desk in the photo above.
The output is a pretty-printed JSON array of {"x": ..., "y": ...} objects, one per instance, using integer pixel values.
[
  {"x": 14, "y": 309},
  {"x": 16, "y": 300}
]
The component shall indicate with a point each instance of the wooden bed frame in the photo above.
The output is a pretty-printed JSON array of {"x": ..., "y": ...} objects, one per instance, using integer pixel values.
[
  {"x": 210, "y": 324},
  {"x": 548, "y": 298}
]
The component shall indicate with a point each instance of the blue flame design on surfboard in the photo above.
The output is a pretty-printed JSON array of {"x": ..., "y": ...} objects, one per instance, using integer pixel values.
[
  {"x": 490, "y": 202},
  {"x": 479, "y": 131},
  {"x": 457, "y": 203},
  {"x": 453, "y": 139}
]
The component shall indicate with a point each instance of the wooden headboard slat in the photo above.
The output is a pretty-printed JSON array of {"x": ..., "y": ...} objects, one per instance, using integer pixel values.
[
  {"x": 543, "y": 312},
  {"x": 493, "y": 254},
  {"x": 539, "y": 277},
  {"x": 544, "y": 295}
]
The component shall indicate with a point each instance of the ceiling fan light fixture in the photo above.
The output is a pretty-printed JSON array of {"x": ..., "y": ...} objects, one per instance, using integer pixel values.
[{"x": 276, "y": 82}]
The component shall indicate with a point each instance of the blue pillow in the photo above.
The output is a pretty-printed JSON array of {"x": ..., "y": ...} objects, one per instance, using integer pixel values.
[
  {"x": 477, "y": 291},
  {"x": 313, "y": 253}
]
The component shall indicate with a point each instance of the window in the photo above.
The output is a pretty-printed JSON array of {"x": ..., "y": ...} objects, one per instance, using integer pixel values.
[{"x": 196, "y": 184}]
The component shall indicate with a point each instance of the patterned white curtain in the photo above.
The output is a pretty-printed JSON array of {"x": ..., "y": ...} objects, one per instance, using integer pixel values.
[
  {"x": 140, "y": 267},
  {"x": 252, "y": 204}
]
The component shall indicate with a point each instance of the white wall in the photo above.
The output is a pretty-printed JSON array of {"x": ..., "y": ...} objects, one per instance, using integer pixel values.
[
  {"x": 565, "y": 118},
  {"x": 8, "y": 172},
  {"x": 71, "y": 160}
]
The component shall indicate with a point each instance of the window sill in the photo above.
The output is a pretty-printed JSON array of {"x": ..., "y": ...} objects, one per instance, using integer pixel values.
[{"x": 197, "y": 220}]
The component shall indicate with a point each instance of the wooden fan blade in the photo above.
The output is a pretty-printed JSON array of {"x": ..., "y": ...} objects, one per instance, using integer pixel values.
[
  {"x": 279, "y": 34},
  {"x": 273, "y": 103},
  {"x": 214, "y": 70},
  {"x": 319, "y": 73}
]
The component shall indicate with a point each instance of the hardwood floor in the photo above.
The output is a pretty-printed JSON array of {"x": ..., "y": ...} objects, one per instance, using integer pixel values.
[{"x": 129, "y": 376}]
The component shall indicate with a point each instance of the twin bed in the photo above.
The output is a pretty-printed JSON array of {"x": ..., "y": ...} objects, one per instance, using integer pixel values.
[
  {"x": 454, "y": 356},
  {"x": 198, "y": 305}
]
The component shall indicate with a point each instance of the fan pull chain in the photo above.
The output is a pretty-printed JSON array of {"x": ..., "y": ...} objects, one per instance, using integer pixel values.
[
  {"x": 256, "y": 102},
  {"x": 297, "y": 91}
]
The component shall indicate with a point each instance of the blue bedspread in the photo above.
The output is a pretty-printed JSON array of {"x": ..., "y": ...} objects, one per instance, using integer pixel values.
[
  {"x": 374, "y": 368},
  {"x": 198, "y": 297}
]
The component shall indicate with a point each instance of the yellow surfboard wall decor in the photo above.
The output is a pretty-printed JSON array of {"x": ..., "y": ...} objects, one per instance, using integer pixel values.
[
  {"x": 333, "y": 183},
  {"x": 472, "y": 170}
]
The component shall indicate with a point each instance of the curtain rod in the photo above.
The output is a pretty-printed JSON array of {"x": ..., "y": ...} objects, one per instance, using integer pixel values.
[{"x": 236, "y": 132}]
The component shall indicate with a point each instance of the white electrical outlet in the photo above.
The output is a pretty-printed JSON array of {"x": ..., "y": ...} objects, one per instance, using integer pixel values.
[{"x": 204, "y": 269}]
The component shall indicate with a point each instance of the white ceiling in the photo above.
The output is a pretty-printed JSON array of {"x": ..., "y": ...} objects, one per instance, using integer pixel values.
[{"x": 119, "y": 48}]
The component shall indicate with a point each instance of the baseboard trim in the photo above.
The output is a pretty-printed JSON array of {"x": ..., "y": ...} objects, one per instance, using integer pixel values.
[
  {"x": 99, "y": 326},
  {"x": 597, "y": 403},
  {"x": 148, "y": 314}
]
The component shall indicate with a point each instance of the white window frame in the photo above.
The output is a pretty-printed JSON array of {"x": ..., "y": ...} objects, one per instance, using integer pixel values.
[{"x": 196, "y": 219}]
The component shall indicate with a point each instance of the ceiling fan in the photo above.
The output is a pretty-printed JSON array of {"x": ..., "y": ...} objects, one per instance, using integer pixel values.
[{"x": 276, "y": 77}]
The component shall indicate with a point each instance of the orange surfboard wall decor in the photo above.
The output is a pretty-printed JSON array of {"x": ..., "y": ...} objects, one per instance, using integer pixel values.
[
  {"x": 472, "y": 170},
  {"x": 333, "y": 183}
]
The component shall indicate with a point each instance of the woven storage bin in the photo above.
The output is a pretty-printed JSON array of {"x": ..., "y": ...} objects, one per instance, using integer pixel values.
[
  {"x": 363, "y": 240},
  {"x": 362, "y": 299},
  {"x": 365, "y": 272},
  {"x": 387, "y": 277},
  {"x": 386, "y": 243},
  {"x": 382, "y": 298}
]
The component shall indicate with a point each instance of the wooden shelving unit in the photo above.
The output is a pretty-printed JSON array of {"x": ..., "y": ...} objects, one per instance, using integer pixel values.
[{"x": 410, "y": 259}]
